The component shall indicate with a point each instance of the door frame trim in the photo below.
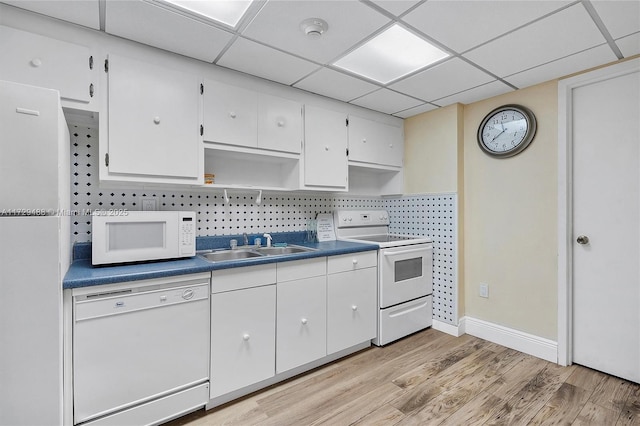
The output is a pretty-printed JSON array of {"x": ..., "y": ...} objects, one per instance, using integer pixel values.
[{"x": 565, "y": 196}]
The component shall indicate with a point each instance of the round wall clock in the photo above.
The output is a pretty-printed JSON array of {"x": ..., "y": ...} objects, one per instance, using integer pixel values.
[{"x": 506, "y": 131}]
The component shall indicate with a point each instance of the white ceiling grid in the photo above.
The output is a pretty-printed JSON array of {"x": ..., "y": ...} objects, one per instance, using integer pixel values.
[{"x": 495, "y": 46}]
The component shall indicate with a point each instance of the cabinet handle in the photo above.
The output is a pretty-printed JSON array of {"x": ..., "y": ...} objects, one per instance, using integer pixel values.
[
  {"x": 304, "y": 321},
  {"x": 245, "y": 337},
  {"x": 390, "y": 145},
  {"x": 36, "y": 62},
  {"x": 364, "y": 140},
  {"x": 354, "y": 307},
  {"x": 232, "y": 114},
  {"x": 156, "y": 120},
  {"x": 326, "y": 148},
  {"x": 280, "y": 123},
  {"x": 355, "y": 261}
]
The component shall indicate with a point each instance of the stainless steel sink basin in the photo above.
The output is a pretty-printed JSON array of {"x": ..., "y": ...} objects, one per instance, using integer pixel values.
[
  {"x": 273, "y": 251},
  {"x": 246, "y": 252},
  {"x": 219, "y": 256}
]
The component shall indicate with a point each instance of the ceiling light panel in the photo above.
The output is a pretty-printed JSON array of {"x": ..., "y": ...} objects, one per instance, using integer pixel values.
[
  {"x": 390, "y": 55},
  {"x": 228, "y": 12}
]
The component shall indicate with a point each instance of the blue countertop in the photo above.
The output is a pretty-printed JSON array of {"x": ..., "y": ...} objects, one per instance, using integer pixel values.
[{"x": 83, "y": 274}]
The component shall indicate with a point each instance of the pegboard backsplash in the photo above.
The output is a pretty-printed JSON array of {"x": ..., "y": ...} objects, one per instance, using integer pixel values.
[{"x": 424, "y": 215}]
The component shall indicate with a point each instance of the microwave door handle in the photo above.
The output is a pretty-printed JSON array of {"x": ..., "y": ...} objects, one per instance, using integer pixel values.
[{"x": 396, "y": 253}]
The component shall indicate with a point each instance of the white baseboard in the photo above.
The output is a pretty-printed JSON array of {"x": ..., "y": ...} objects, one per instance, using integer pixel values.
[
  {"x": 452, "y": 330},
  {"x": 514, "y": 339}
]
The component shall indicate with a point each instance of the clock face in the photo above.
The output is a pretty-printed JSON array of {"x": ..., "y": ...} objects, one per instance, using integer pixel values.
[{"x": 506, "y": 131}]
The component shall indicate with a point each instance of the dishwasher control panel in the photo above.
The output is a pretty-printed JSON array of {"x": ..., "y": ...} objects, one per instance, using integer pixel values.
[{"x": 130, "y": 300}]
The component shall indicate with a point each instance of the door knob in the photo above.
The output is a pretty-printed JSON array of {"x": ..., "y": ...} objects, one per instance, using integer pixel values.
[{"x": 582, "y": 239}]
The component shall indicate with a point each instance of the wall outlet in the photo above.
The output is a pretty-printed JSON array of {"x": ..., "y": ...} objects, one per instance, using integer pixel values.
[
  {"x": 484, "y": 290},
  {"x": 149, "y": 203}
]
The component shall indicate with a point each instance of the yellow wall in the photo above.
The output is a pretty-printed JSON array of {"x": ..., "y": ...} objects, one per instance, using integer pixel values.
[
  {"x": 432, "y": 144},
  {"x": 510, "y": 220},
  {"x": 507, "y": 225}
]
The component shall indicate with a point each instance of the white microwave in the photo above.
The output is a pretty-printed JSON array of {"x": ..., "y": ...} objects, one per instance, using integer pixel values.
[{"x": 121, "y": 236}]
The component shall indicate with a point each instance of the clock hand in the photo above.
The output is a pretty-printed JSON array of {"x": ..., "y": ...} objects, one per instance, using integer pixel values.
[{"x": 496, "y": 136}]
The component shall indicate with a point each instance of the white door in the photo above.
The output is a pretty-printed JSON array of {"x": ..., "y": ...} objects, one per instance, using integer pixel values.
[{"x": 606, "y": 231}]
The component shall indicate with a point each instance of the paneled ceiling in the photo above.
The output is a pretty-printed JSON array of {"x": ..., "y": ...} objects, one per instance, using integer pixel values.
[{"x": 494, "y": 46}]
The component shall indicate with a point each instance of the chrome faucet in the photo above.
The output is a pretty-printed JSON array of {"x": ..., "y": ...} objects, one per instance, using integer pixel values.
[
  {"x": 268, "y": 237},
  {"x": 245, "y": 238}
]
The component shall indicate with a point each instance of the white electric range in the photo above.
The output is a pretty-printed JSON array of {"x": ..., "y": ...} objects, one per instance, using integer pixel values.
[{"x": 405, "y": 273}]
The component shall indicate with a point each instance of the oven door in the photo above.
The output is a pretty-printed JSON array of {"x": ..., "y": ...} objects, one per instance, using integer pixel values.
[{"x": 405, "y": 273}]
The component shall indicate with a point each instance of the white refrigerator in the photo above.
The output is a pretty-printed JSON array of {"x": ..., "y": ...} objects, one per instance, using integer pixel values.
[{"x": 34, "y": 253}]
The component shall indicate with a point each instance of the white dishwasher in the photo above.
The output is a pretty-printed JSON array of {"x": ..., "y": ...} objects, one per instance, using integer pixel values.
[{"x": 140, "y": 351}]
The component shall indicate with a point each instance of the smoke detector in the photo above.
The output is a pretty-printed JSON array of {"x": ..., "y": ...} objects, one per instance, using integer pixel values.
[{"x": 314, "y": 27}]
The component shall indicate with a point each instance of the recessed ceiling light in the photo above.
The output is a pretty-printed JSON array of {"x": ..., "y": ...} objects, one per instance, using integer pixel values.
[
  {"x": 226, "y": 11},
  {"x": 390, "y": 55}
]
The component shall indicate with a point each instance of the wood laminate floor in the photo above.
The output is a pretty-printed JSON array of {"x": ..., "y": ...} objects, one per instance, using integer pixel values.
[{"x": 431, "y": 378}]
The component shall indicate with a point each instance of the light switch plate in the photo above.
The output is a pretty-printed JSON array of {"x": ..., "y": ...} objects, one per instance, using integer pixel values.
[{"x": 484, "y": 290}]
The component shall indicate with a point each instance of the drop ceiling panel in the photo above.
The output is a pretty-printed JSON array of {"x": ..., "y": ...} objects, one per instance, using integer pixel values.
[
  {"x": 386, "y": 101},
  {"x": 620, "y": 17},
  {"x": 488, "y": 90},
  {"x": 461, "y": 25},
  {"x": 85, "y": 12},
  {"x": 452, "y": 76},
  {"x": 543, "y": 41},
  {"x": 262, "y": 61},
  {"x": 629, "y": 45},
  {"x": 396, "y": 7},
  {"x": 278, "y": 24},
  {"x": 562, "y": 67},
  {"x": 159, "y": 27},
  {"x": 334, "y": 84},
  {"x": 415, "y": 111}
]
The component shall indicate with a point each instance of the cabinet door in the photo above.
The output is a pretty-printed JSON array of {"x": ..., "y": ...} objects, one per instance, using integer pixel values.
[
  {"x": 302, "y": 322},
  {"x": 374, "y": 142},
  {"x": 154, "y": 128},
  {"x": 41, "y": 61},
  {"x": 242, "y": 338},
  {"x": 325, "y": 148},
  {"x": 279, "y": 124},
  {"x": 351, "y": 307},
  {"x": 230, "y": 114}
]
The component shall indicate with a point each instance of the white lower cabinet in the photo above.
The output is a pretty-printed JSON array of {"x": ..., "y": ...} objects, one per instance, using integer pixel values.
[
  {"x": 351, "y": 300},
  {"x": 302, "y": 318},
  {"x": 268, "y": 321},
  {"x": 301, "y": 313},
  {"x": 243, "y": 327}
]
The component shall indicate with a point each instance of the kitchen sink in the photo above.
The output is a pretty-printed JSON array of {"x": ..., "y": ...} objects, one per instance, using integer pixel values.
[
  {"x": 247, "y": 252},
  {"x": 272, "y": 251},
  {"x": 222, "y": 255}
]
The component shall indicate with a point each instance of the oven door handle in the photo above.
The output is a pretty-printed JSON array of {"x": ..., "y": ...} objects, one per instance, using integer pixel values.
[{"x": 397, "y": 253}]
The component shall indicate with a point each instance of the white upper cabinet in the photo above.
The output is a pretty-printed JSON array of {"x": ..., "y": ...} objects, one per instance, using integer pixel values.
[
  {"x": 230, "y": 114},
  {"x": 375, "y": 142},
  {"x": 237, "y": 116},
  {"x": 153, "y": 124},
  {"x": 45, "y": 62},
  {"x": 325, "y": 149},
  {"x": 279, "y": 124}
]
